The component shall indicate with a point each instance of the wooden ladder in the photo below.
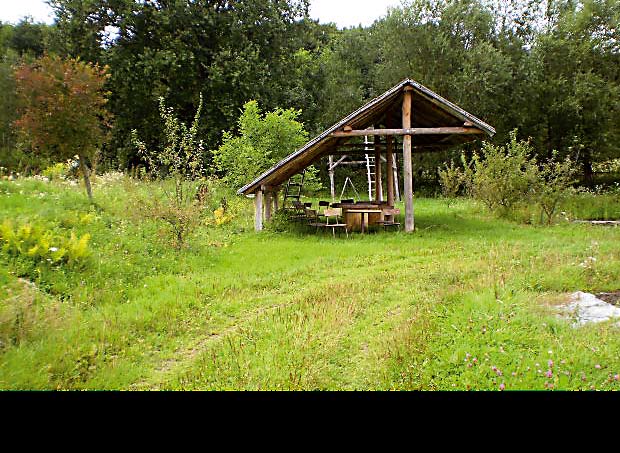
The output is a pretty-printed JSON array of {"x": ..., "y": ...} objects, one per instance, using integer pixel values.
[
  {"x": 292, "y": 191},
  {"x": 370, "y": 167}
]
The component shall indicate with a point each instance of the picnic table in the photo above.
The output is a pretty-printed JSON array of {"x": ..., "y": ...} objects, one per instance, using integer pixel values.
[{"x": 358, "y": 216}]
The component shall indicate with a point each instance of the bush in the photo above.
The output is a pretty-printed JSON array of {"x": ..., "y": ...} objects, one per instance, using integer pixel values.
[
  {"x": 38, "y": 244},
  {"x": 56, "y": 171},
  {"x": 180, "y": 162},
  {"x": 262, "y": 141},
  {"x": 451, "y": 179},
  {"x": 508, "y": 181},
  {"x": 502, "y": 176}
]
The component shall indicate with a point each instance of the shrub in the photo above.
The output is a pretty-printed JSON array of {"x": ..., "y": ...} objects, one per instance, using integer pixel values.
[
  {"x": 451, "y": 178},
  {"x": 180, "y": 162},
  {"x": 56, "y": 171},
  {"x": 38, "y": 244},
  {"x": 263, "y": 140},
  {"x": 502, "y": 176},
  {"x": 555, "y": 179}
]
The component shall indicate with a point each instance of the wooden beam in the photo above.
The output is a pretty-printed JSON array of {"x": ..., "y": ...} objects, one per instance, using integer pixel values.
[
  {"x": 334, "y": 165},
  {"x": 258, "y": 210},
  {"x": 407, "y": 167},
  {"x": 378, "y": 172},
  {"x": 411, "y": 131},
  {"x": 389, "y": 170},
  {"x": 268, "y": 206},
  {"x": 330, "y": 168}
]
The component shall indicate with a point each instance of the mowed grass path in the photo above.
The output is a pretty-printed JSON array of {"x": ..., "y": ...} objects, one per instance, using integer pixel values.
[{"x": 464, "y": 303}]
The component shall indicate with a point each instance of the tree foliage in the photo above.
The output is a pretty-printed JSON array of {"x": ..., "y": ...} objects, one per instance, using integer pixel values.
[
  {"x": 262, "y": 141},
  {"x": 63, "y": 110}
]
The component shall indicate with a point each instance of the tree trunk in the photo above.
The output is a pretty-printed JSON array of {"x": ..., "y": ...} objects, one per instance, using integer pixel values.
[
  {"x": 86, "y": 174},
  {"x": 588, "y": 173}
]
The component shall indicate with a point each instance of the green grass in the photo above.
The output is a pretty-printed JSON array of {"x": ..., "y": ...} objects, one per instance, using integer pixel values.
[{"x": 296, "y": 310}]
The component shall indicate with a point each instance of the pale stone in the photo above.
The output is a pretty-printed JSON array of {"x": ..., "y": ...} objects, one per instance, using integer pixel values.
[{"x": 586, "y": 308}]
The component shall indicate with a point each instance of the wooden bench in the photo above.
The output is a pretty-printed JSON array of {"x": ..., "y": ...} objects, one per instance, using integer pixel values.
[{"x": 388, "y": 218}]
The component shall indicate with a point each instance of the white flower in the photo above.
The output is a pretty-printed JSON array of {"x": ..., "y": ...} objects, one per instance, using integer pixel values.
[{"x": 53, "y": 249}]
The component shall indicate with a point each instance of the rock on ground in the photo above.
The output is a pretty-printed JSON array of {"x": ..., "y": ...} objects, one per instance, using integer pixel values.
[{"x": 586, "y": 308}]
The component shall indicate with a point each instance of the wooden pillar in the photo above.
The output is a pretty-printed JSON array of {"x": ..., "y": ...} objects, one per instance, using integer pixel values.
[
  {"x": 407, "y": 166},
  {"x": 276, "y": 194},
  {"x": 258, "y": 210},
  {"x": 268, "y": 205},
  {"x": 389, "y": 169},
  {"x": 378, "y": 172},
  {"x": 331, "y": 176},
  {"x": 396, "y": 183}
]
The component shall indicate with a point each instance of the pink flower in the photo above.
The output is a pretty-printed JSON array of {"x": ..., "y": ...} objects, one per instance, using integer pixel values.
[
  {"x": 549, "y": 374},
  {"x": 514, "y": 374},
  {"x": 597, "y": 366},
  {"x": 502, "y": 386},
  {"x": 616, "y": 377},
  {"x": 475, "y": 360},
  {"x": 550, "y": 363}
]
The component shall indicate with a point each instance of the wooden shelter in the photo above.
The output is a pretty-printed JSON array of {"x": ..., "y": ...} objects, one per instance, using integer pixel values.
[{"x": 408, "y": 118}]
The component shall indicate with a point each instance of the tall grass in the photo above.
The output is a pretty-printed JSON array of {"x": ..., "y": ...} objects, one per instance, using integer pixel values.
[{"x": 299, "y": 310}]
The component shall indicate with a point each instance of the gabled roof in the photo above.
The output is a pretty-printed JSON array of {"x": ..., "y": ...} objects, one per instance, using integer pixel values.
[{"x": 429, "y": 110}]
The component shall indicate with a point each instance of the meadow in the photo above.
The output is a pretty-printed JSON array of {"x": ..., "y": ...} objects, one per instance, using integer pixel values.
[{"x": 467, "y": 302}]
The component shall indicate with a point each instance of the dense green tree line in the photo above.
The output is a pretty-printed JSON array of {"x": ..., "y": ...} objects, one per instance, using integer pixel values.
[{"x": 550, "y": 68}]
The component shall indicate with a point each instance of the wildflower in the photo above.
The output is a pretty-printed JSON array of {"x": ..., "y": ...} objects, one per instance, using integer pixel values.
[
  {"x": 53, "y": 249},
  {"x": 616, "y": 377},
  {"x": 475, "y": 360},
  {"x": 550, "y": 363},
  {"x": 513, "y": 374},
  {"x": 550, "y": 351},
  {"x": 502, "y": 386},
  {"x": 549, "y": 374},
  {"x": 597, "y": 366}
]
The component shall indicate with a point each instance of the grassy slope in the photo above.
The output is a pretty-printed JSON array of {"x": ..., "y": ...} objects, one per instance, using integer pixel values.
[{"x": 240, "y": 310}]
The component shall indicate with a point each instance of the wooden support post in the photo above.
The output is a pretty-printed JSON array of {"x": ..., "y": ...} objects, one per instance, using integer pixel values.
[
  {"x": 268, "y": 205},
  {"x": 389, "y": 170},
  {"x": 407, "y": 166},
  {"x": 276, "y": 194},
  {"x": 331, "y": 176},
  {"x": 258, "y": 210},
  {"x": 378, "y": 172},
  {"x": 396, "y": 183}
]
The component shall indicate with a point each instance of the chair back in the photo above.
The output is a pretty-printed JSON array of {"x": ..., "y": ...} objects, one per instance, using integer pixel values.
[
  {"x": 323, "y": 203},
  {"x": 332, "y": 212},
  {"x": 348, "y": 200}
]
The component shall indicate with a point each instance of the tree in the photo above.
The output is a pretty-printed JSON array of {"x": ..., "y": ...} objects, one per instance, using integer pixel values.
[
  {"x": 263, "y": 140},
  {"x": 63, "y": 108}
]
